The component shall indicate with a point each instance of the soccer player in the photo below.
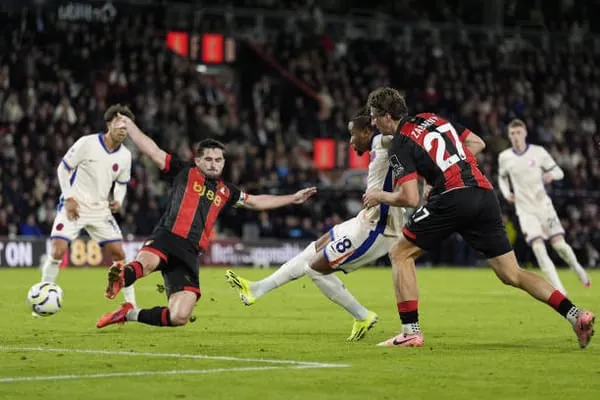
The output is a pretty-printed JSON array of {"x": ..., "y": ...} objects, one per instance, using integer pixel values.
[
  {"x": 88, "y": 172},
  {"x": 197, "y": 197},
  {"x": 347, "y": 246},
  {"x": 461, "y": 200},
  {"x": 529, "y": 168}
]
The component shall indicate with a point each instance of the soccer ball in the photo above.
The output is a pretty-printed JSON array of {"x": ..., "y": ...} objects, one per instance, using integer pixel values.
[{"x": 45, "y": 298}]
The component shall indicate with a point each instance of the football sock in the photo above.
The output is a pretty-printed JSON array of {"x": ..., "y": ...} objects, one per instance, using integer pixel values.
[
  {"x": 409, "y": 315},
  {"x": 335, "y": 290},
  {"x": 132, "y": 272},
  {"x": 50, "y": 269},
  {"x": 129, "y": 293},
  {"x": 157, "y": 316},
  {"x": 563, "y": 305},
  {"x": 291, "y": 270},
  {"x": 547, "y": 266},
  {"x": 566, "y": 253}
]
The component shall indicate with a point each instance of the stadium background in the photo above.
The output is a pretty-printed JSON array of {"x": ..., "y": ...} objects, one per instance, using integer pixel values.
[{"x": 277, "y": 81}]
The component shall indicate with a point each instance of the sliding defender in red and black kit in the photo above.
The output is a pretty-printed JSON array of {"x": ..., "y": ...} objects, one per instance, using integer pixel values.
[{"x": 198, "y": 195}]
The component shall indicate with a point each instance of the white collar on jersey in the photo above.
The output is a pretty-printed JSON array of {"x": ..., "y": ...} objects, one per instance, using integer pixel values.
[{"x": 104, "y": 144}]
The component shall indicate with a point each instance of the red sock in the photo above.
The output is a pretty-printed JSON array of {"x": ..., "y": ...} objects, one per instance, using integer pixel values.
[
  {"x": 409, "y": 311},
  {"x": 560, "y": 303}
]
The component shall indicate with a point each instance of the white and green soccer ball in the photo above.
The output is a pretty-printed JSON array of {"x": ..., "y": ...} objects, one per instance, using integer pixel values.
[{"x": 45, "y": 298}]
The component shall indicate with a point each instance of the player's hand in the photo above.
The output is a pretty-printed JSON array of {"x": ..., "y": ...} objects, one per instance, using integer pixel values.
[
  {"x": 547, "y": 177},
  {"x": 302, "y": 195},
  {"x": 372, "y": 198},
  {"x": 72, "y": 207},
  {"x": 114, "y": 206},
  {"x": 511, "y": 198}
]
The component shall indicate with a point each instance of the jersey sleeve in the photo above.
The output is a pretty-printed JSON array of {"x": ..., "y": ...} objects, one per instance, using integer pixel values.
[
  {"x": 502, "y": 171},
  {"x": 237, "y": 198},
  {"x": 547, "y": 162},
  {"x": 75, "y": 154},
  {"x": 125, "y": 174},
  {"x": 173, "y": 166},
  {"x": 461, "y": 131},
  {"x": 402, "y": 161}
]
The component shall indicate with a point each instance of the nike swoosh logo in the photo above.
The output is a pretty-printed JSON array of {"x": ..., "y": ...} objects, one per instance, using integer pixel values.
[{"x": 397, "y": 342}]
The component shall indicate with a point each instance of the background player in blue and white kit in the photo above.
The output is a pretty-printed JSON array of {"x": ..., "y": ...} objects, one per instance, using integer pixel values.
[
  {"x": 87, "y": 174},
  {"x": 346, "y": 247}
]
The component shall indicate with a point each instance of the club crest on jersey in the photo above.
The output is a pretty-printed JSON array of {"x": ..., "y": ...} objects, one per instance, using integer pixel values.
[
  {"x": 397, "y": 167},
  {"x": 115, "y": 167},
  {"x": 532, "y": 163}
]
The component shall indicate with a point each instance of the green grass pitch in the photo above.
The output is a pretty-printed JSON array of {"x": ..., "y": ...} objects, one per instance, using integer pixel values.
[{"x": 483, "y": 340}]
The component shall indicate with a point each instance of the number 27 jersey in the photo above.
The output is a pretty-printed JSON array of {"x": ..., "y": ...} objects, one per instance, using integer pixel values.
[{"x": 430, "y": 146}]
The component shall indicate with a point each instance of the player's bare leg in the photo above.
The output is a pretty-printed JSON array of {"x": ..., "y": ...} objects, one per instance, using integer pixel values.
[
  {"x": 568, "y": 255},
  {"x": 120, "y": 276},
  {"x": 546, "y": 265},
  {"x": 117, "y": 253},
  {"x": 404, "y": 273},
  {"x": 507, "y": 269}
]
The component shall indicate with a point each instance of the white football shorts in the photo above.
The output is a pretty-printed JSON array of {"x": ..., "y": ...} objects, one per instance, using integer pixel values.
[{"x": 353, "y": 245}]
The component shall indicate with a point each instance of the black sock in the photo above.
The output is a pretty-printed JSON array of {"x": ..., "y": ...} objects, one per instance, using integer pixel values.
[
  {"x": 157, "y": 316},
  {"x": 410, "y": 317},
  {"x": 132, "y": 272}
]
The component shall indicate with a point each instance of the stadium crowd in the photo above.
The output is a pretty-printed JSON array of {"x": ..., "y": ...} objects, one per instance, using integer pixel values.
[{"x": 57, "y": 79}]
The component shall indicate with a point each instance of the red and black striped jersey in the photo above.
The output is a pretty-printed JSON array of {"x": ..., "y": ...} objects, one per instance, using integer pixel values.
[
  {"x": 195, "y": 202},
  {"x": 430, "y": 146}
]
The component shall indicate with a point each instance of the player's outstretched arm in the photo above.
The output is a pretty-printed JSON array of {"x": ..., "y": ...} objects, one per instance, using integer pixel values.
[
  {"x": 474, "y": 143},
  {"x": 268, "y": 202},
  {"x": 145, "y": 144},
  {"x": 407, "y": 196}
]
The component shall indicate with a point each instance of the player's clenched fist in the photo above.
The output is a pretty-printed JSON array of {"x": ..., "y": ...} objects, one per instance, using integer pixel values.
[
  {"x": 302, "y": 195},
  {"x": 372, "y": 198}
]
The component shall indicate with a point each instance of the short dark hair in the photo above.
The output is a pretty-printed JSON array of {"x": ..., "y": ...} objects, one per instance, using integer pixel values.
[
  {"x": 387, "y": 100},
  {"x": 361, "y": 121},
  {"x": 115, "y": 109},
  {"x": 208, "y": 144}
]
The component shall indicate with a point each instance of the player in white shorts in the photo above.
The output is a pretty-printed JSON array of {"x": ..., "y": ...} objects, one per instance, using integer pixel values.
[
  {"x": 86, "y": 176},
  {"x": 354, "y": 243},
  {"x": 529, "y": 168}
]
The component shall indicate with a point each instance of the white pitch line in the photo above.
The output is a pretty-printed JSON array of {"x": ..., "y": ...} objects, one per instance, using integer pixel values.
[
  {"x": 177, "y": 355},
  {"x": 142, "y": 373}
]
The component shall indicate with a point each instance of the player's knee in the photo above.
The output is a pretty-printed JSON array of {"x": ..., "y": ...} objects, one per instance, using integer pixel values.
[
  {"x": 58, "y": 249},
  {"x": 320, "y": 265},
  {"x": 117, "y": 254},
  {"x": 179, "y": 318}
]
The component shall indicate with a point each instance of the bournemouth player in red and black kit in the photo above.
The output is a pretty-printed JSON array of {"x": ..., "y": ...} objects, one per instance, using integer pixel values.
[
  {"x": 198, "y": 196},
  {"x": 461, "y": 200}
]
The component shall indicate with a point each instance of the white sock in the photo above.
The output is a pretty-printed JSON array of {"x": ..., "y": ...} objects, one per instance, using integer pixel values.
[
  {"x": 129, "y": 294},
  {"x": 568, "y": 255},
  {"x": 411, "y": 329},
  {"x": 132, "y": 315},
  {"x": 547, "y": 266},
  {"x": 50, "y": 269},
  {"x": 128, "y": 291},
  {"x": 291, "y": 270},
  {"x": 333, "y": 288},
  {"x": 572, "y": 315}
]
